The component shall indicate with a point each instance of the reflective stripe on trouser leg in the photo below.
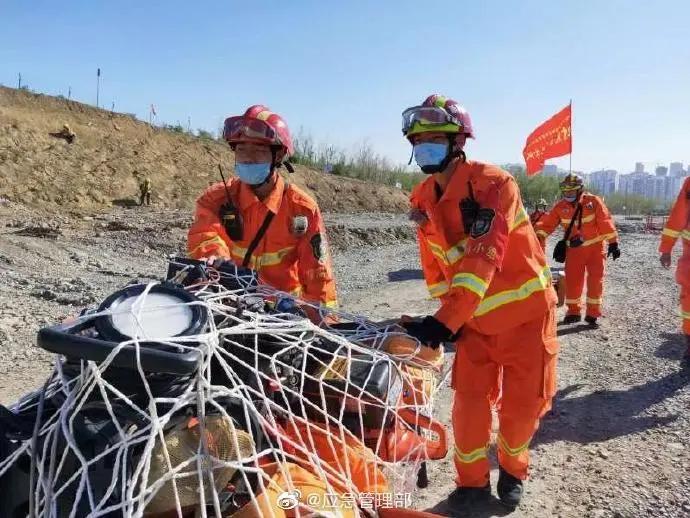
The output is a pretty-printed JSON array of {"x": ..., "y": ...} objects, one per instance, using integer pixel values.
[
  {"x": 596, "y": 268},
  {"x": 475, "y": 380},
  {"x": 472, "y": 430},
  {"x": 685, "y": 308},
  {"x": 514, "y": 457},
  {"x": 529, "y": 382}
]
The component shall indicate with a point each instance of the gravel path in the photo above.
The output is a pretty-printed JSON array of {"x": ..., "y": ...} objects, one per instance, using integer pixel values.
[{"x": 617, "y": 443}]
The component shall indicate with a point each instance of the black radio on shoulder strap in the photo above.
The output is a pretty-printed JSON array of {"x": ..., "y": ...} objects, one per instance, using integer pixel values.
[
  {"x": 229, "y": 214},
  {"x": 469, "y": 208}
]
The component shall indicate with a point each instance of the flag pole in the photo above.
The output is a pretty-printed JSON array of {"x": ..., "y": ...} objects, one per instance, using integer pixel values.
[{"x": 571, "y": 136}]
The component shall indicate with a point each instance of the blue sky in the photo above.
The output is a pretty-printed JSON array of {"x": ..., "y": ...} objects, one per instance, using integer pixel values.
[{"x": 345, "y": 70}]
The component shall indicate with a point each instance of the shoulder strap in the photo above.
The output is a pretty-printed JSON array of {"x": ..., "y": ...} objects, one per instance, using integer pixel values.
[
  {"x": 257, "y": 238},
  {"x": 578, "y": 211},
  {"x": 261, "y": 232}
]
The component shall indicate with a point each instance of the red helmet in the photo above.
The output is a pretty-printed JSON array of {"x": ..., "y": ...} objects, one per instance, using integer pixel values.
[
  {"x": 454, "y": 109},
  {"x": 258, "y": 125}
]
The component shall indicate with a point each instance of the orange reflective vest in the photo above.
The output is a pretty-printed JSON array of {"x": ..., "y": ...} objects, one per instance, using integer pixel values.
[
  {"x": 594, "y": 225},
  {"x": 493, "y": 276},
  {"x": 292, "y": 256}
]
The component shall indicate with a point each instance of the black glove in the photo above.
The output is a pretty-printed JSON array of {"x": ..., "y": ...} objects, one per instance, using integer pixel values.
[
  {"x": 613, "y": 251},
  {"x": 429, "y": 331}
]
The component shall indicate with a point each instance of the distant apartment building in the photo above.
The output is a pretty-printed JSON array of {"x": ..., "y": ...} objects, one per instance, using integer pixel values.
[
  {"x": 604, "y": 181},
  {"x": 639, "y": 167},
  {"x": 633, "y": 183},
  {"x": 656, "y": 187},
  {"x": 676, "y": 169},
  {"x": 661, "y": 170}
]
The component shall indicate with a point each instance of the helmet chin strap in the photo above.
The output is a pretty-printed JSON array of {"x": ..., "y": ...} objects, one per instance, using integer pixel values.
[{"x": 450, "y": 156}]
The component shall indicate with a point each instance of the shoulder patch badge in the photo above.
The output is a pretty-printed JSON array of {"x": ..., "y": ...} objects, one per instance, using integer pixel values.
[
  {"x": 482, "y": 222},
  {"x": 318, "y": 247},
  {"x": 299, "y": 225}
]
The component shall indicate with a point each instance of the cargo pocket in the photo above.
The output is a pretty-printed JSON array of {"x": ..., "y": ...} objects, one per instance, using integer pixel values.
[{"x": 550, "y": 374}]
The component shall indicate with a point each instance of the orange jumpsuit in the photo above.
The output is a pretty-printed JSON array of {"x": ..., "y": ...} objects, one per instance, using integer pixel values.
[
  {"x": 594, "y": 226},
  {"x": 678, "y": 225},
  {"x": 494, "y": 283},
  {"x": 292, "y": 256}
]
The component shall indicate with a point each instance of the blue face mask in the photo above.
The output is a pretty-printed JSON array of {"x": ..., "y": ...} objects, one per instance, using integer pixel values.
[
  {"x": 253, "y": 174},
  {"x": 430, "y": 155},
  {"x": 570, "y": 198}
]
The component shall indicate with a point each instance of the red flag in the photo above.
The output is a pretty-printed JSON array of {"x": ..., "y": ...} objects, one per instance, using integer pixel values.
[{"x": 551, "y": 139}]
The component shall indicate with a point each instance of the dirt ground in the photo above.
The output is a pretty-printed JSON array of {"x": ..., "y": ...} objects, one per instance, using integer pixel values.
[{"x": 617, "y": 443}]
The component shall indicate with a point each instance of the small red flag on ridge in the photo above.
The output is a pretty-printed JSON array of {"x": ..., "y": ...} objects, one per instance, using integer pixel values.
[{"x": 551, "y": 139}]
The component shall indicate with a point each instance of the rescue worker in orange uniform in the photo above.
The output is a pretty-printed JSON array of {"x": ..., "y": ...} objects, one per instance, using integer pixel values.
[
  {"x": 593, "y": 226},
  {"x": 482, "y": 260},
  {"x": 260, "y": 221},
  {"x": 678, "y": 225},
  {"x": 539, "y": 210}
]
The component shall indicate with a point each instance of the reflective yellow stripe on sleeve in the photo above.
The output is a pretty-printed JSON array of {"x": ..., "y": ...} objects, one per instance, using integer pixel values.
[
  {"x": 534, "y": 285},
  {"x": 520, "y": 218},
  {"x": 438, "y": 289},
  {"x": 685, "y": 315},
  {"x": 542, "y": 233},
  {"x": 471, "y": 282},
  {"x": 450, "y": 256},
  {"x": 215, "y": 240},
  {"x": 671, "y": 233}
]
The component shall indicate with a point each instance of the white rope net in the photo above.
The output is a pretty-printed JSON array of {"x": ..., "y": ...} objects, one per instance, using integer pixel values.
[{"x": 279, "y": 416}]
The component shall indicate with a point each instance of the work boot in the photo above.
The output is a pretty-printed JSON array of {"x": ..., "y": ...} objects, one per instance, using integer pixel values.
[
  {"x": 592, "y": 321},
  {"x": 571, "y": 319},
  {"x": 463, "y": 497},
  {"x": 509, "y": 488}
]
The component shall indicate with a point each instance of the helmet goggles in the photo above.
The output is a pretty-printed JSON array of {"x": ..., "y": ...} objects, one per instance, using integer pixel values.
[
  {"x": 243, "y": 129},
  {"x": 418, "y": 119}
]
